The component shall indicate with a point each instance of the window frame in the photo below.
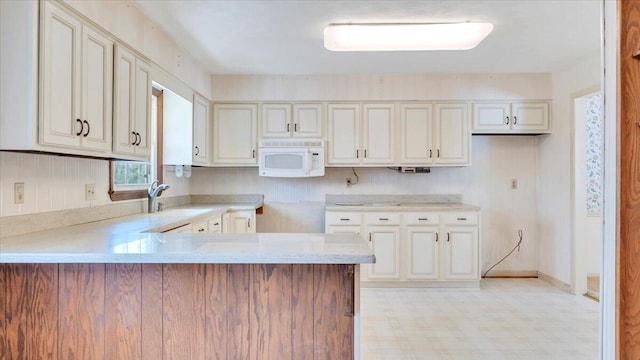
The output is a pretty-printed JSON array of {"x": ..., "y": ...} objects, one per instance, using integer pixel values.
[{"x": 120, "y": 195}]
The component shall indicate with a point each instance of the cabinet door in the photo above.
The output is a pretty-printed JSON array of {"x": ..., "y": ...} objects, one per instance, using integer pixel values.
[
  {"x": 242, "y": 222},
  {"x": 201, "y": 129},
  {"x": 378, "y": 134},
  {"x": 491, "y": 117},
  {"x": 452, "y": 134},
  {"x": 461, "y": 254},
  {"x": 215, "y": 224},
  {"x": 97, "y": 93},
  {"x": 385, "y": 242},
  {"x": 142, "y": 120},
  {"x": 60, "y": 122},
  {"x": 344, "y": 134},
  {"x": 124, "y": 136},
  {"x": 416, "y": 133},
  {"x": 530, "y": 117},
  {"x": 276, "y": 120},
  {"x": 234, "y": 132},
  {"x": 422, "y": 252},
  {"x": 307, "y": 120}
]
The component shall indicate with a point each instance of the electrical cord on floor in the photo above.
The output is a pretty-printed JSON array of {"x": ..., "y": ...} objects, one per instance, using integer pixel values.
[{"x": 506, "y": 256}]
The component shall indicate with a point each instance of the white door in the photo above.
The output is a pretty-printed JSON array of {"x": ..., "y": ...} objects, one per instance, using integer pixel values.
[
  {"x": 242, "y": 222},
  {"x": 530, "y": 116},
  {"x": 276, "y": 120},
  {"x": 378, "y": 134},
  {"x": 234, "y": 131},
  {"x": 385, "y": 242},
  {"x": 416, "y": 133},
  {"x": 97, "y": 93},
  {"x": 461, "y": 254},
  {"x": 452, "y": 134},
  {"x": 422, "y": 252},
  {"x": 61, "y": 61},
  {"x": 200, "y": 130},
  {"x": 491, "y": 117},
  {"x": 123, "y": 96},
  {"x": 307, "y": 120},
  {"x": 142, "y": 120},
  {"x": 343, "y": 143}
]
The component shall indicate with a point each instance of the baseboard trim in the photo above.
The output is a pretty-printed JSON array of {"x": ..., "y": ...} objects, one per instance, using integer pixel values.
[
  {"x": 512, "y": 274},
  {"x": 555, "y": 282}
]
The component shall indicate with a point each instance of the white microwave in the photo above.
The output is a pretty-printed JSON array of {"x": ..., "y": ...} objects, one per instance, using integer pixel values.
[{"x": 291, "y": 158}]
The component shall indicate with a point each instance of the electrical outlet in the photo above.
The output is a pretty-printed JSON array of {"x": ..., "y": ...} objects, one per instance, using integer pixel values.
[
  {"x": 514, "y": 183},
  {"x": 349, "y": 183},
  {"x": 89, "y": 191},
  {"x": 18, "y": 193}
]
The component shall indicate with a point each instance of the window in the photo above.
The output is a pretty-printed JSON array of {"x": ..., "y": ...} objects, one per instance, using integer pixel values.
[{"x": 130, "y": 179}]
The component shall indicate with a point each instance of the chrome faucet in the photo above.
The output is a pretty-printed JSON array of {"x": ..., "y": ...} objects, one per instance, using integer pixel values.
[{"x": 153, "y": 192}]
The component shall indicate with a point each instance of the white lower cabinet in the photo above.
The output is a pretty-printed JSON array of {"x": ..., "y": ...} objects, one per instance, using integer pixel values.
[
  {"x": 239, "y": 222},
  {"x": 415, "y": 248}
]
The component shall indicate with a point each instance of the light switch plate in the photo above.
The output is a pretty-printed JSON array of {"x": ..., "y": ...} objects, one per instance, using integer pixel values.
[
  {"x": 18, "y": 193},
  {"x": 514, "y": 183}
]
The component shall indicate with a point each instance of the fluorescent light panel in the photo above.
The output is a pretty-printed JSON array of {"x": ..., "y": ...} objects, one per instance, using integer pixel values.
[{"x": 402, "y": 37}]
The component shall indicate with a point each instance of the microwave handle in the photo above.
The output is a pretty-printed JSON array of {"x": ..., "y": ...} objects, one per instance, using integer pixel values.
[{"x": 307, "y": 161}]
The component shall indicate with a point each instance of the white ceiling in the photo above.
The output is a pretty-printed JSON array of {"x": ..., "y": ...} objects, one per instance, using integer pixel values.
[{"x": 285, "y": 37}]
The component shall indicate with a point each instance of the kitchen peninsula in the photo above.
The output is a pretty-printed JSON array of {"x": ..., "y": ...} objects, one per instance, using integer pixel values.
[{"x": 116, "y": 289}]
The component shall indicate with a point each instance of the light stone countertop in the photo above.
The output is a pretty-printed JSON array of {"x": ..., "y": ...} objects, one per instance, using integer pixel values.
[
  {"x": 401, "y": 207},
  {"x": 128, "y": 240},
  {"x": 401, "y": 202}
]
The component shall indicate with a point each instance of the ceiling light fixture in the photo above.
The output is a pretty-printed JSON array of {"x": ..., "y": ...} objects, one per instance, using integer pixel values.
[{"x": 404, "y": 37}]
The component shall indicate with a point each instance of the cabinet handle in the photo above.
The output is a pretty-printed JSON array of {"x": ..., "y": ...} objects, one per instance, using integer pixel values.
[
  {"x": 515, "y": 119},
  {"x": 81, "y": 127},
  {"x": 253, "y": 153},
  {"x": 200, "y": 230},
  {"x": 249, "y": 222},
  {"x": 288, "y": 127},
  {"x": 216, "y": 224},
  {"x": 344, "y": 219},
  {"x": 383, "y": 219},
  {"x": 423, "y": 219},
  {"x": 139, "y": 138},
  {"x": 369, "y": 237},
  {"x": 135, "y": 138},
  {"x": 438, "y": 153},
  {"x": 507, "y": 121},
  {"x": 448, "y": 237},
  {"x": 197, "y": 151},
  {"x": 462, "y": 219},
  {"x": 295, "y": 127},
  {"x": 365, "y": 153},
  {"x": 88, "y": 128},
  {"x": 436, "y": 237},
  {"x": 430, "y": 153},
  {"x": 349, "y": 286},
  {"x": 357, "y": 153}
]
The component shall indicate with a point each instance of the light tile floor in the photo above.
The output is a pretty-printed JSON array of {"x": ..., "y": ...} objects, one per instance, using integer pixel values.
[{"x": 518, "y": 319}]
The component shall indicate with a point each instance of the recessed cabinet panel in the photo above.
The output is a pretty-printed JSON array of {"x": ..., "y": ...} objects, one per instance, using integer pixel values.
[
  {"x": 461, "y": 253},
  {"x": 201, "y": 129},
  {"x": 97, "y": 90},
  {"x": 307, "y": 120},
  {"x": 344, "y": 134},
  {"x": 378, "y": 134},
  {"x": 491, "y": 116},
  {"x": 143, "y": 108},
  {"x": 452, "y": 134},
  {"x": 416, "y": 129},
  {"x": 276, "y": 120},
  {"x": 124, "y": 136},
  {"x": 385, "y": 242},
  {"x": 234, "y": 131},
  {"x": 530, "y": 116},
  {"x": 422, "y": 252}
]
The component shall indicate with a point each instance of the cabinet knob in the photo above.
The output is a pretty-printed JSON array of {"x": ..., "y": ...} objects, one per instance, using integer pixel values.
[
  {"x": 438, "y": 153},
  {"x": 216, "y": 224},
  {"x": 365, "y": 153},
  {"x": 88, "y": 128},
  {"x": 249, "y": 222},
  {"x": 200, "y": 230},
  {"x": 81, "y": 127},
  {"x": 357, "y": 153},
  {"x": 139, "y": 137}
]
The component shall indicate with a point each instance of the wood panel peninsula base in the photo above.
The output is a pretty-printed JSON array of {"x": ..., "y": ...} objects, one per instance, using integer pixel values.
[{"x": 178, "y": 311}]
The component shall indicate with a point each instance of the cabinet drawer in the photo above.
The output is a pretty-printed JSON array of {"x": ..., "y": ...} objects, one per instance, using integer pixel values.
[
  {"x": 467, "y": 218},
  {"x": 421, "y": 218},
  {"x": 382, "y": 218},
  {"x": 343, "y": 218},
  {"x": 215, "y": 225},
  {"x": 200, "y": 227}
]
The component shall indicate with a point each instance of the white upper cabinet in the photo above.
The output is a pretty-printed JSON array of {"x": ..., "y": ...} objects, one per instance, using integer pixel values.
[
  {"x": 510, "y": 117},
  {"x": 234, "y": 134},
  {"x": 352, "y": 141},
  {"x": 343, "y": 143},
  {"x": 132, "y": 105},
  {"x": 378, "y": 145},
  {"x": 416, "y": 134},
  {"x": 201, "y": 130},
  {"x": 285, "y": 120},
  {"x": 452, "y": 136},
  {"x": 76, "y": 83}
]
